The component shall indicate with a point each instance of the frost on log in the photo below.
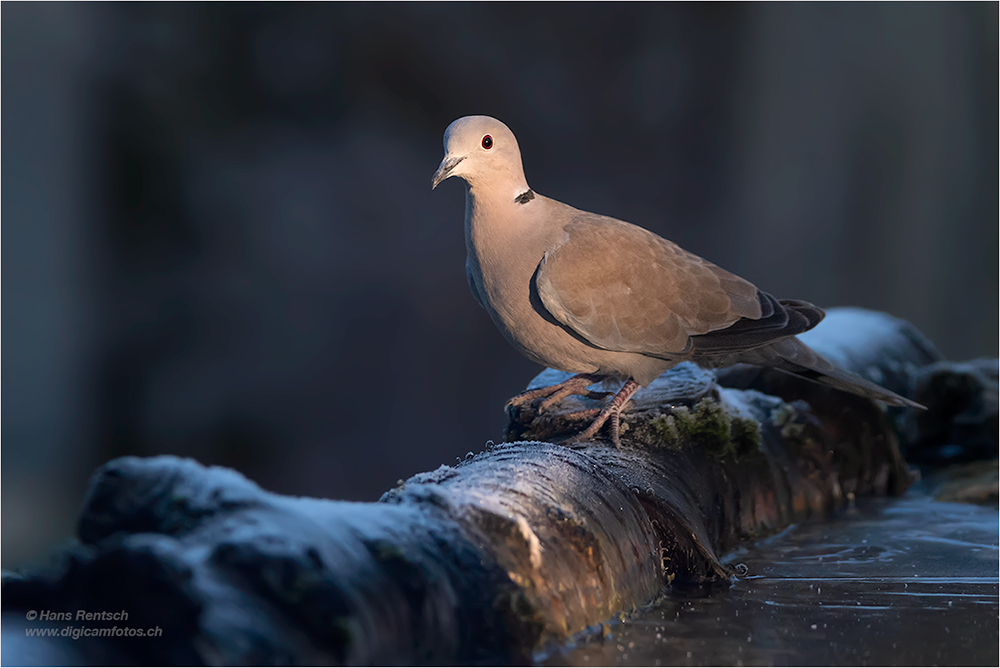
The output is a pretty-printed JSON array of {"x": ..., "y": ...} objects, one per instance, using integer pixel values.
[{"x": 518, "y": 547}]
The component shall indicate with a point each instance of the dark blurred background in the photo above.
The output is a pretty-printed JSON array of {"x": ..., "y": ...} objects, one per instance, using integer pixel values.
[{"x": 221, "y": 242}]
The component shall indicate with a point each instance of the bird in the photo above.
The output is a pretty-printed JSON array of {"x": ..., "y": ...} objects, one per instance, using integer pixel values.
[{"x": 607, "y": 300}]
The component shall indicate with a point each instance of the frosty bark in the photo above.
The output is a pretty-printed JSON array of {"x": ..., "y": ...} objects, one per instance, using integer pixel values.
[{"x": 521, "y": 545}]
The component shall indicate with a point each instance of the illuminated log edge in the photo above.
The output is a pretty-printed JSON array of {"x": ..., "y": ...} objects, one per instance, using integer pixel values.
[{"x": 489, "y": 561}]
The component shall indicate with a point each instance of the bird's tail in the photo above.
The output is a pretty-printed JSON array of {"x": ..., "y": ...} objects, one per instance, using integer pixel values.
[{"x": 794, "y": 356}]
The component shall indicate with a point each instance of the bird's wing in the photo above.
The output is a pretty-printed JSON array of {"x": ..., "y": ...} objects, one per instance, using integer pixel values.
[
  {"x": 623, "y": 288},
  {"x": 779, "y": 320}
]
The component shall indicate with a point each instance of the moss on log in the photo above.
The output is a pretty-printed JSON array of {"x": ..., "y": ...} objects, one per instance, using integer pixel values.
[{"x": 488, "y": 561}]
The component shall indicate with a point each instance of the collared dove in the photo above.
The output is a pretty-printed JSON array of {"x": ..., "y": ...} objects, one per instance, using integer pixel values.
[{"x": 606, "y": 299}]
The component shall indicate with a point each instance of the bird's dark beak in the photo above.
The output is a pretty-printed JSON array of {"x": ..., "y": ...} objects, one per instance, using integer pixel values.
[{"x": 444, "y": 170}]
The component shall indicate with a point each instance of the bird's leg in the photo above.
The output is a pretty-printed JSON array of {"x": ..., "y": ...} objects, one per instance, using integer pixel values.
[
  {"x": 612, "y": 411},
  {"x": 555, "y": 393}
]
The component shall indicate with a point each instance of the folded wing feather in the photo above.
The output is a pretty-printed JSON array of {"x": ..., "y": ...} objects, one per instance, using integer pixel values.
[{"x": 623, "y": 288}]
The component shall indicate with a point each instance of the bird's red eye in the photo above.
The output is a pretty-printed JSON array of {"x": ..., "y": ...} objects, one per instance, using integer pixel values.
[{"x": 487, "y": 142}]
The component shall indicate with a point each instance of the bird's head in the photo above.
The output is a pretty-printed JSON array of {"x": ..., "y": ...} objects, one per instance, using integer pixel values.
[{"x": 482, "y": 150}]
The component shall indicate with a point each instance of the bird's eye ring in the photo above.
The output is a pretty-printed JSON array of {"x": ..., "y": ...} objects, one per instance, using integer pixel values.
[{"x": 487, "y": 142}]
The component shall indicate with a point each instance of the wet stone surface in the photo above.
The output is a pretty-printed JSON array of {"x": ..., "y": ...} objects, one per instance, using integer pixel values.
[{"x": 908, "y": 581}]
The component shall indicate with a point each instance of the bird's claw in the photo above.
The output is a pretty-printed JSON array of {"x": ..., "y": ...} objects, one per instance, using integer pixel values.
[{"x": 551, "y": 395}]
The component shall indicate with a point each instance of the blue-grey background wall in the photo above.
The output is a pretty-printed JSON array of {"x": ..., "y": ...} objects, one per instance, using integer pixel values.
[{"x": 220, "y": 239}]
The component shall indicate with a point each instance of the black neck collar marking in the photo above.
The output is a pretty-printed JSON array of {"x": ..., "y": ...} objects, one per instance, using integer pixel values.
[{"x": 525, "y": 197}]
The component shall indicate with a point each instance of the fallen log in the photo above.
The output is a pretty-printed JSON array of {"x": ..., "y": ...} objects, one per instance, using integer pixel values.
[{"x": 488, "y": 561}]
